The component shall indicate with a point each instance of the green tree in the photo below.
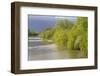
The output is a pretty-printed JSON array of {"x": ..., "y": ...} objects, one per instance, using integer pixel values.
[
  {"x": 60, "y": 35},
  {"x": 68, "y": 35},
  {"x": 78, "y": 35},
  {"x": 47, "y": 34},
  {"x": 32, "y": 33}
]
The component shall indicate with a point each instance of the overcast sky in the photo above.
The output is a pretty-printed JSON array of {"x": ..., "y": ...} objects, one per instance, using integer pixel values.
[{"x": 39, "y": 23}]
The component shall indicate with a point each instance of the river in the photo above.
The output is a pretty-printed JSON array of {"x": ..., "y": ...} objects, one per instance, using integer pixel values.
[{"x": 38, "y": 50}]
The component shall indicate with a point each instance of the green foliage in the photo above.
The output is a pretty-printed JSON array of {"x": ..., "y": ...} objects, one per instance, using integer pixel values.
[
  {"x": 83, "y": 25},
  {"x": 60, "y": 38},
  {"x": 77, "y": 43},
  {"x": 71, "y": 40},
  {"x": 47, "y": 34},
  {"x": 60, "y": 35},
  {"x": 69, "y": 35},
  {"x": 77, "y": 36},
  {"x": 32, "y": 33}
]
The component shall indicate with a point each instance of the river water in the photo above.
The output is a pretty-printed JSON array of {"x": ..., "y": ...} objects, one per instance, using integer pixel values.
[{"x": 38, "y": 50}]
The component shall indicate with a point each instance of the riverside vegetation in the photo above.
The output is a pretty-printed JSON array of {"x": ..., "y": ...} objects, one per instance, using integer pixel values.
[{"x": 67, "y": 35}]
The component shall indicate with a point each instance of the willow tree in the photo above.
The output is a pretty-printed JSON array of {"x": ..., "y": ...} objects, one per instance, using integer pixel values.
[
  {"x": 83, "y": 25},
  {"x": 78, "y": 36},
  {"x": 47, "y": 34},
  {"x": 60, "y": 35}
]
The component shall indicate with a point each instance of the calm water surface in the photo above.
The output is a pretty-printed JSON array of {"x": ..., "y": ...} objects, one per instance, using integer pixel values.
[{"x": 38, "y": 50}]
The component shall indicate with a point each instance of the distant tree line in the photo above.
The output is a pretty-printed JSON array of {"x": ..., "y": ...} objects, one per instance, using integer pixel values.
[{"x": 32, "y": 33}]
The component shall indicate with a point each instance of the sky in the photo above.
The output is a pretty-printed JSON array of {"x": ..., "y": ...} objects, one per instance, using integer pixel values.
[{"x": 38, "y": 23}]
